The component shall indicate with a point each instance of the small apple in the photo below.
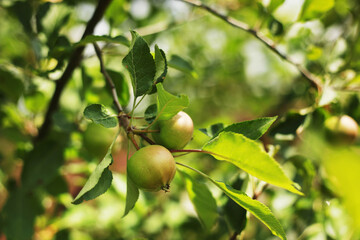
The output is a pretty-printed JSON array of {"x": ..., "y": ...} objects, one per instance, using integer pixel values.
[
  {"x": 152, "y": 168},
  {"x": 341, "y": 129},
  {"x": 97, "y": 139},
  {"x": 174, "y": 133}
]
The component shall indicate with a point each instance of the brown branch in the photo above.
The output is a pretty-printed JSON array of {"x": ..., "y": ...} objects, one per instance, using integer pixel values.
[
  {"x": 257, "y": 194},
  {"x": 138, "y": 131},
  {"x": 132, "y": 138},
  {"x": 108, "y": 78},
  {"x": 146, "y": 138},
  {"x": 73, "y": 63},
  {"x": 314, "y": 81},
  {"x": 234, "y": 236}
]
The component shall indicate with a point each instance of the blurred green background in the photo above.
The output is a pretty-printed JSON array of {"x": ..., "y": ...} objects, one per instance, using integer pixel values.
[{"x": 229, "y": 76}]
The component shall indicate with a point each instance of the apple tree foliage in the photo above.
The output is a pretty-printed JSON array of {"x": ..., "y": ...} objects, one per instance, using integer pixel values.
[{"x": 74, "y": 111}]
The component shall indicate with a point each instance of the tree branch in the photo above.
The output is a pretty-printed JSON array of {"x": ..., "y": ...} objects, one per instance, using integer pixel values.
[
  {"x": 108, "y": 78},
  {"x": 73, "y": 63},
  {"x": 314, "y": 81},
  {"x": 146, "y": 138}
]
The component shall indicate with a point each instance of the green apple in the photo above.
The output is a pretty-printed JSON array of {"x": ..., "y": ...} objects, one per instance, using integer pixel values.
[
  {"x": 97, "y": 139},
  {"x": 152, "y": 168},
  {"x": 174, "y": 133},
  {"x": 341, "y": 129}
]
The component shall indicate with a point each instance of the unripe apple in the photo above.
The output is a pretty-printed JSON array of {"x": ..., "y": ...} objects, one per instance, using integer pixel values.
[
  {"x": 174, "y": 133},
  {"x": 341, "y": 129},
  {"x": 97, "y": 139},
  {"x": 152, "y": 168}
]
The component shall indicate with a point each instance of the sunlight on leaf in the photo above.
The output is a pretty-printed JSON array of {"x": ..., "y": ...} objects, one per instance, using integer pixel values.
[{"x": 249, "y": 156}]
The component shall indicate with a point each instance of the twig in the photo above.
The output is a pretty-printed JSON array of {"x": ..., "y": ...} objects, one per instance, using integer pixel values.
[
  {"x": 146, "y": 138},
  {"x": 136, "y": 131},
  {"x": 73, "y": 63},
  {"x": 132, "y": 138},
  {"x": 314, "y": 81},
  {"x": 123, "y": 118},
  {"x": 258, "y": 193},
  {"x": 107, "y": 78},
  {"x": 234, "y": 236}
]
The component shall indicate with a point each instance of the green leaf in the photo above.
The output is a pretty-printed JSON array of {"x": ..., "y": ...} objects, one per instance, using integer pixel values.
[
  {"x": 233, "y": 212},
  {"x": 202, "y": 199},
  {"x": 104, "y": 38},
  {"x": 259, "y": 210},
  {"x": 249, "y": 156},
  {"x": 183, "y": 65},
  {"x": 252, "y": 129},
  {"x": 286, "y": 128},
  {"x": 256, "y": 208},
  {"x": 122, "y": 88},
  {"x": 140, "y": 64},
  {"x": 214, "y": 130},
  {"x": 11, "y": 84},
  {"x": 97, "y": 184},
  {"x": 132, "y": 195},
  {"x": 276, "y": 28},
  {"x": 19, "y": 215},
  {"x": 100, "y": 115},
  {"x": 161, "y": 68},
  {"x": 316, "y": 8},
  {"x": 169, "y": 105},
  {"x": 99, "y": 180},
  {"x": 274, "y": 4},
  {"x": 150, "y": 113},
  {"x": 161, "y": 65}
]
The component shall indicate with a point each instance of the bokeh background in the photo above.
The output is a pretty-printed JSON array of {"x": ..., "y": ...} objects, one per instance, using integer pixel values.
[{"x": 229, "y": 76}]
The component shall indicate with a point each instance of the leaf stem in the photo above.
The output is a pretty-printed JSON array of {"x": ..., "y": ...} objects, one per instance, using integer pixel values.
[
  {"x": 193, "y": 169},
  {"x": 190, "y": 151},
  {"x": 137, "y": 104}
]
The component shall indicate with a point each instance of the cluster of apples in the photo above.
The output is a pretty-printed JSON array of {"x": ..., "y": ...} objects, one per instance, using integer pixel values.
[{"x": 152, "y": 168}]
